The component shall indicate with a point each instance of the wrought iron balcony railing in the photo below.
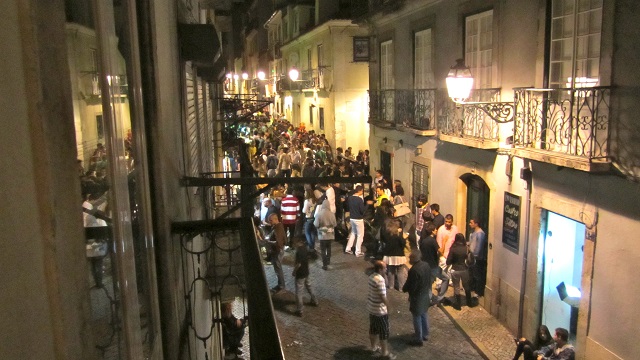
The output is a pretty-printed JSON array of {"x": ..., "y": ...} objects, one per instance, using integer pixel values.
[
  {"x": 309, "y": 79},
  {"x": 221, "y": 263},
  {"x": 468, "y": 121},
  {"x": 567, "y": 122},
  {"x": 413, "y": 109}
]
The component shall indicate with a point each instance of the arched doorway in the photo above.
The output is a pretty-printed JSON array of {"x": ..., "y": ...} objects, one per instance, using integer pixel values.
[{"x": 477, "y": 207}]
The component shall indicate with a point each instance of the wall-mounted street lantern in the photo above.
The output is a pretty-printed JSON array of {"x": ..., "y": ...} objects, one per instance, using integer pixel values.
[
  {"x": 459, "y": 85},
  {"x": 261, "y": 75},
  {"x": 245, "y": 76},
  {"x": 294, "y": 74}
]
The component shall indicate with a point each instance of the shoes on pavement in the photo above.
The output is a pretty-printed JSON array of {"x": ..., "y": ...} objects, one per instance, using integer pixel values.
[
  {"x": 276, "y": 289},
  {"x": 360, "y": 255},
  {"x": 376, "y": 351},
  {"x": 389, "y": 356},
  {"x": 348, "y": 252},
  {"x": 425, "y": 338},
  {"x": 325, "y": 267},
  {"x": 415, "y": 343},
  {"x": 298, "y": 313}
]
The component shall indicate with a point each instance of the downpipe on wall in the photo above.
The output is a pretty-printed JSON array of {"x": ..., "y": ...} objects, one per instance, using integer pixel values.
[{"x": 526, "y": 174}]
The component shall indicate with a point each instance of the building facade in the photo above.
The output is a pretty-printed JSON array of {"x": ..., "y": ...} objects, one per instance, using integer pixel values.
[
  {"x": 536, "y": 152},
  {"x": 329, "y": 96}
]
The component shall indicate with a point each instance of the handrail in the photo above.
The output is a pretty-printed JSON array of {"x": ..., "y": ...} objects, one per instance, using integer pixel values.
[{"x": 264, "y": 338}]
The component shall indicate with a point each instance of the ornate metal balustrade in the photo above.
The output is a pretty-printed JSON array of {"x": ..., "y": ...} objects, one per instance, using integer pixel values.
[
  {"x": 566, "y": 122},
  {"x": 412, "y": 109},
  {"x": 221, "y": 262},
  {"x": 469, "y": 121}
]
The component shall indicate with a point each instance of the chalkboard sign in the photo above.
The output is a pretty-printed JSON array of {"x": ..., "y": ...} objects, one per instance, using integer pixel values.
[{"x": 511, "y": 221}]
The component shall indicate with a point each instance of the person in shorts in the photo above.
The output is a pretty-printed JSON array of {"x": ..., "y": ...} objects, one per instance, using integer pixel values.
[{"x": 377, "y": 305}]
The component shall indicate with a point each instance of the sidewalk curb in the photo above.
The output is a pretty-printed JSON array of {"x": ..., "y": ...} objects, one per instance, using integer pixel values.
[{"x": 479, "y": 346}]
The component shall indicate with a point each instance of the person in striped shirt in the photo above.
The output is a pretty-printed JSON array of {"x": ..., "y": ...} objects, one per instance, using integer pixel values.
[
  {"x": 377, "y": 305},
  {"x": 290, "y": 210}
]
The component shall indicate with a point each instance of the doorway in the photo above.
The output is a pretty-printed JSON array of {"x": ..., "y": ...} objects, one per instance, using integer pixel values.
[
  {"x": 563, "y": 241},
  {"x": 477, "y": 206},
  {"x": 385, "y": 164}
]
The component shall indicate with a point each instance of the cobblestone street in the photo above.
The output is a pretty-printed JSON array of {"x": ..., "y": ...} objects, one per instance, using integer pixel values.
[{"x": 338, "y": 327}]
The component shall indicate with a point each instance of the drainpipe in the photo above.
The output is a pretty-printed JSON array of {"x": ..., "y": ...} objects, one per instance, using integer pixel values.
[{"x": 526, "y": 175}]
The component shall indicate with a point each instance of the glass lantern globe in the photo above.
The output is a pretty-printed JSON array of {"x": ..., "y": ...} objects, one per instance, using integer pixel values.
[{"x": 459, "y": 81}]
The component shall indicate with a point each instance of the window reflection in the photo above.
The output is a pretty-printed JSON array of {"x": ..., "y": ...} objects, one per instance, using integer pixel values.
[{"x": 118, "y": 252}]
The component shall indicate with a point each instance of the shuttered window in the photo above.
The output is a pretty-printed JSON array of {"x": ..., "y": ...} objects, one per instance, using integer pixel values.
[
  {"x": 193, "y": 155},
  {"x": 423, "y": 73}
]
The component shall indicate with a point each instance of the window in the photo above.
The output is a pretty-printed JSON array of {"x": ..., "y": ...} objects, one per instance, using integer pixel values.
[
  {"x": 423, "y": 72},
  {"x": 386, "y": 65},
  {"x": 420, "y": 184},
  {"x": 321, "y": 118},
  {"x": 320, "y": 56},
  {"x": 309, "y": 62},
  {"x": 575, "y": 43},
  {"x": 311, "y": 115},
  {"x": 479, "y": 48}
]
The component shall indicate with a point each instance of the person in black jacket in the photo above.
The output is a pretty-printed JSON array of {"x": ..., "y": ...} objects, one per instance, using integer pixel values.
[
  {"x": 418, "y": 286},
  {"x": 459, "y": 271}
]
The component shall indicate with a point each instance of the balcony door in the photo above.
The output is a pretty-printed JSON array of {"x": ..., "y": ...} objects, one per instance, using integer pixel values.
[
  {"x": 574, "y": 64},
  {"x": 386, "y": 80},
  {"x": 478, "y": 43}
]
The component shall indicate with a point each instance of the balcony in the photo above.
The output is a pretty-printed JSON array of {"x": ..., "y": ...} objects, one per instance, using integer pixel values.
[
  {"x": 221, "y": 263},
  {"x": 310, "y": 80},
  {"x": 565, "y": 127},
  {"x": 408, "y": 110},
  {"x": 467, "y": 124}
]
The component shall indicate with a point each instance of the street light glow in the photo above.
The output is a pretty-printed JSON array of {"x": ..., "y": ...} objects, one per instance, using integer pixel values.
[
  {"x": 459, "y": 81},
  {"x": 245, "y": 76},
  {"x": 293, "y": 74},
  {"x": 261, "y": 75}
]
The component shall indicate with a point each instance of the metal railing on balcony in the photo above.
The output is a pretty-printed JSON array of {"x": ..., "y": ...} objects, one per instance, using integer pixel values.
[
  {"x": 573, "y": 122},
  {"x": 221, "y": 262},
  {"x": 464, "y": 121},
  {"x": 309, "y": 79},
  {"x": 411, "y": 108}
]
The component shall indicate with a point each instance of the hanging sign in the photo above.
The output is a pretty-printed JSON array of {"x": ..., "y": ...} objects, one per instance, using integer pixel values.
[{"x": 511, "y": 221}]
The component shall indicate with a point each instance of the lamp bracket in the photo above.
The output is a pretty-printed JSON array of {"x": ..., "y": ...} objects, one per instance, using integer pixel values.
[{"x": 500, "y": 112}]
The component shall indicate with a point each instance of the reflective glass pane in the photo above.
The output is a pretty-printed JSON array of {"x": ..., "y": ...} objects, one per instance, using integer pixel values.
[{"x": 114, "y": 192}]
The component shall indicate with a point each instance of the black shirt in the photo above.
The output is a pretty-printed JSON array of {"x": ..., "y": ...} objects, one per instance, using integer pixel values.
[
  {"x": 302, "y": 258},
  {"x": 429, "y": 250},
  {"x": 438, "y": 221}
]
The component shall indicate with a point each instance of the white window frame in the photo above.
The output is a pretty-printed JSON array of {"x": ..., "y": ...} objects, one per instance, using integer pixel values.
[
  {"x": 423, "y": 52},
  {"x": 479, "y": 48},
  {"x": 386, "y": 65},
  {"x": 576, "y": 28}
]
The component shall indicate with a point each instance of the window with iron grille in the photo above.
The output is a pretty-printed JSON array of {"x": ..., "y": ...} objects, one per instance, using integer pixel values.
[
  {"x": 321, "y": 118},
  {"x": 420, "y": 184}
]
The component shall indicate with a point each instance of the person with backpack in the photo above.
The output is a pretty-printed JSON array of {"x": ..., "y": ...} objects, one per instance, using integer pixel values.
[{"x": 272, "y": 164}]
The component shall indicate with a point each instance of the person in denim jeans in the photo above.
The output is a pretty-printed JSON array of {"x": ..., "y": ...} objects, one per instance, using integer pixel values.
[
  {"x": 325, "y": 223},
  {"x": 308, "y": 209}
]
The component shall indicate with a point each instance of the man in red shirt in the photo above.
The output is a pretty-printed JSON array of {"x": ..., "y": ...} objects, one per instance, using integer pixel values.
[{"x": 290, "y": 210}]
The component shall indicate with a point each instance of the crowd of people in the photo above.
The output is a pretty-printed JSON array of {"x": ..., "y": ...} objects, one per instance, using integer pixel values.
[{"x": 417, "y": 250}]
